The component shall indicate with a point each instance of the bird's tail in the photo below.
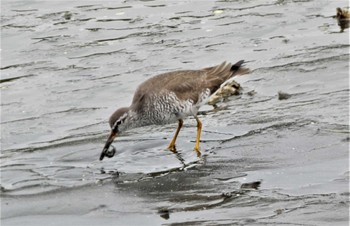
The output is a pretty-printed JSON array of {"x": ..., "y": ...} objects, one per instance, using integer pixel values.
[
  {"x": 219, "y": 74},
  {"x": 238, "y": 70}
]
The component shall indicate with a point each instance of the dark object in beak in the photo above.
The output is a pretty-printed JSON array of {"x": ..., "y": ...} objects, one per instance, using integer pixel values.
[{"x": 105, "y": 151}]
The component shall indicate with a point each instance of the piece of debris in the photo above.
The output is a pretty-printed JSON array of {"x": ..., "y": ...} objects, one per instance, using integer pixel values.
[
  {"x": 252, "y": 185},
  {"x": 283, "y": 96},
  {"x": 279, "y": 211},
  {"x": 343, "y": 18},
  {"x": 226, "y": 195},
  {"x": 251, "y": 93},
  {"x": 218, "y": 11}
]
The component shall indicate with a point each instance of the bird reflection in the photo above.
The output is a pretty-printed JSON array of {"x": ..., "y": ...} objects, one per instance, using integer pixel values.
[{"x": 180, "y": 158}]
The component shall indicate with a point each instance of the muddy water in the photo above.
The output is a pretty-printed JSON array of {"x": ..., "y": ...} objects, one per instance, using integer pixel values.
[{"x": 67, "y": 65}]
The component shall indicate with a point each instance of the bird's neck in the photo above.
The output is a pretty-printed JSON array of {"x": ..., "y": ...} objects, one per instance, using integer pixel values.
[
  {"x": 132, "y": 121},
  {"x": 137, "y": 119}
]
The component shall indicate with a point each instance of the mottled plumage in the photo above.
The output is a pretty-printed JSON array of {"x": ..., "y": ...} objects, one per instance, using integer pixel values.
[{"x": 171, "y": 97}]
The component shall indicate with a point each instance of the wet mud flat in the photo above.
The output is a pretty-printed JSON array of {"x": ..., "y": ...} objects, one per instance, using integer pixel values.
[{"x": 66, "y": 66}]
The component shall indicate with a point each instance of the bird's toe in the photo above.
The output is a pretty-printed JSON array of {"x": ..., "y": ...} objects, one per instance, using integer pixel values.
[
  {"x": 198, "y": 152},
  {"x": 172, "y": 148}
]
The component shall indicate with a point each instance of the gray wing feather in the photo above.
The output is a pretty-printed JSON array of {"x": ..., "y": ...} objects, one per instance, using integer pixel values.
[{"x": 188, "y": 84}]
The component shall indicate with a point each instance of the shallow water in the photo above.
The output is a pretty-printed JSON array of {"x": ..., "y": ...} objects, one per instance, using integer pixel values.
[{"x": 67, "y": 65}]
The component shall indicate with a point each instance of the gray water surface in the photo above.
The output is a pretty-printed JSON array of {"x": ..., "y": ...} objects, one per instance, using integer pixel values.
[{"x": 67, "y": 65}]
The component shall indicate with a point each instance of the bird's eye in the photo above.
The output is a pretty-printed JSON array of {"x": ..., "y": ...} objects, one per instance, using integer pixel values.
[{"x": 119, "y": 122}]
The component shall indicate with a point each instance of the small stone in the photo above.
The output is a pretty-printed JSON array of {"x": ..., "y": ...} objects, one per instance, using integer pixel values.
[
  {"x": 283, "y": 96},
  {"x": 67, "y": 15},
  {"x": 279, "y": 211},
  {"x": 164, "y": 213}
]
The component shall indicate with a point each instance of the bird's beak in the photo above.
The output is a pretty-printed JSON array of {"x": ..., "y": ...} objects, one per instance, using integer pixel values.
[{"x": 107, "y": 145}]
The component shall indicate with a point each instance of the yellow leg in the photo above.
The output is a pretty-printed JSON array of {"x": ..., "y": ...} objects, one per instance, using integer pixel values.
[
  {"x": 199, "y": 130},
  {"x": 171, "y": 146}
]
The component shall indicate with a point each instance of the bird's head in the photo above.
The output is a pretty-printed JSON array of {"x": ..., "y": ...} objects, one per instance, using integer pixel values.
[
  {"x": 118, "y": 118},
  {"x": 117, "y": 122}
]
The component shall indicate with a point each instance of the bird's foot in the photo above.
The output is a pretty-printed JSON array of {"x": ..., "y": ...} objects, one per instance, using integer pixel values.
[
  {"x": 172, "y": 148},
  {"x": 198, "y": 152}
]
